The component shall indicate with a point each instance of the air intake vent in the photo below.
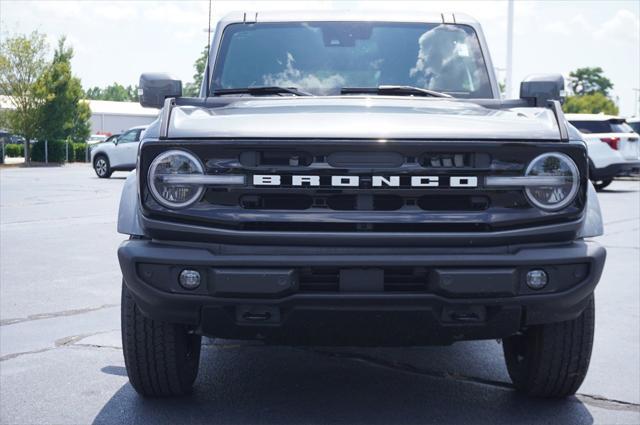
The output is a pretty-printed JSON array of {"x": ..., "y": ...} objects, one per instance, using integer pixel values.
[
  {"x": 255, "y": 159},
  {"x": 443, "y": 160},
  {"x": 365, "y": 159}
]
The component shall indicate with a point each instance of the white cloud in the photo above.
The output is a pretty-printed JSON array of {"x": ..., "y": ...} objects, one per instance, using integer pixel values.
[
  {"x": 116, "y": 12},
  {"x": 623, "y": 27},
  {"x": 190, "y": 34},
  {"x": 182, "y": 13},
  {"x": 578, "y": 24},
  {"x": 62, "y": 9}
]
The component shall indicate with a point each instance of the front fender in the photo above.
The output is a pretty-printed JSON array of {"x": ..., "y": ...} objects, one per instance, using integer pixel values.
[
  {"x": 128, "y": 212},
  {"x": 592, "y": 224}
]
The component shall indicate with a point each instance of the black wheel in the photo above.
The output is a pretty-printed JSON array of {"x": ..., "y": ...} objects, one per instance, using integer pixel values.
[
  {"x": 551, "y": 360},
  {"x": 102, "y": 167},
  {"x": 162, "y": 358},
  {"x": 601, "y": 184}
]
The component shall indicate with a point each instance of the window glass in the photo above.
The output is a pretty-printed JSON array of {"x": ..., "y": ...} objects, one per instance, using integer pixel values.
[
  {"x": 592, "y": 126},
  {"x": 322, "y": 57},
  {"x": 621, "y": 127},
  {"x": 128, "y": 137},
  {"x": 611, "y": 126}
]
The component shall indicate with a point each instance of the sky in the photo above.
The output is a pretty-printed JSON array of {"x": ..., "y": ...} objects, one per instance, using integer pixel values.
[{"x": 115, "y": 41}]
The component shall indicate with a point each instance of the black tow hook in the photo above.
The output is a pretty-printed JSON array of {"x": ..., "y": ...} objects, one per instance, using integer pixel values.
[
  {"x": 256, "y": 317},
  {"x": 258, "y": 314},
  {"x": 465, "y": 317}
]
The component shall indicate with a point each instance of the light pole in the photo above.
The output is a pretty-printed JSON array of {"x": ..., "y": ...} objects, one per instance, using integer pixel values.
[{"x": 508, "y": 74}]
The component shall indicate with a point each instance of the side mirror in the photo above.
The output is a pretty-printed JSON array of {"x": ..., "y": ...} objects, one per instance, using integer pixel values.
[
  {"x": 155, "y": 87},
  {"x": 539, "y": 89},
  {"x": 115, "y": 140}
]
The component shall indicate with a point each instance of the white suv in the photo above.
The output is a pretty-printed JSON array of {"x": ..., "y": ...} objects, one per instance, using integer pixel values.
[
  {"x": 613, "y": 146},
  {"x": 119, "y": 155}
]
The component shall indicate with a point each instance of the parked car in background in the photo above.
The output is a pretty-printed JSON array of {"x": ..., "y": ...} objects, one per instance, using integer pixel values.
[
  {"x": 634, "y": 122},
  {"x": 613, "y": 146},
  {"x": 96, "y": 138},
  {"x": 9, "y": 138},
  {"x": 118, "y": 155}
]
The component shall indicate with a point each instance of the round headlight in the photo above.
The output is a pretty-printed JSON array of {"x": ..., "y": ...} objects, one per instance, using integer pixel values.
[
  {"x": 564, "y": 187},
  {"x": 166, "y": 180}
]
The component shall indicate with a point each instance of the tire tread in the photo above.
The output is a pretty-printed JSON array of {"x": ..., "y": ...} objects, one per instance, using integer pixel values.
[
  {"x": 556, "y": 356},
  {"x": 155, "y": 352}
]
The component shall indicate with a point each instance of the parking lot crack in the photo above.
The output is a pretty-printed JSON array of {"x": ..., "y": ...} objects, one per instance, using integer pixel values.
[
  {"x": 592, "y": 400},
  {"x": 42, "y": 316},
  {"x": 405, "y": 367},
  {"x": 607, "y": 403},
  {"x": 66, "y": 342},
  {"x": 23, "y": 353},
  {"x": 74, "y": 339}
]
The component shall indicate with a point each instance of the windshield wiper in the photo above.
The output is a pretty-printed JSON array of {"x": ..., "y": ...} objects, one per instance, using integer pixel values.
[
  {"x": 261, "y": 91},
  {"x": 393, "y": 90}
]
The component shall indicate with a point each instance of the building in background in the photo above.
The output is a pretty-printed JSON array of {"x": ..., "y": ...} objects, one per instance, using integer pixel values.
[{"x": 109, "y": 117}]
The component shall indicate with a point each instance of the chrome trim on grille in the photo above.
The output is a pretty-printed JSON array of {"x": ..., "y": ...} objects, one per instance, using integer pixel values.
[
  {"x": 525, "y": 181},
  {"x": 202, "y": 179}
]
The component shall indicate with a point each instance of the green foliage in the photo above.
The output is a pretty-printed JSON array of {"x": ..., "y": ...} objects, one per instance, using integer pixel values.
[
  {"x": 22, "y": 61},
  {"x": 115, "y": 92},
  {"x": 56, "y": 149},
  {"x": 590, "y": 104},
  {"x": 193, "y": 89},
  {"x": 4, "y": 118},
  {"x": 502, "y": 86},
  {"x": 78, "y": 152},
  {"x": 585, "y": 81},
  {"x": 63, "y": 114},
  {"x": 13, "y": 150}
]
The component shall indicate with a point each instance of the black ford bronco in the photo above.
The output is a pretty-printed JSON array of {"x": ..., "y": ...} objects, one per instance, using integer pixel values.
[{"x": 357, "y": 180}]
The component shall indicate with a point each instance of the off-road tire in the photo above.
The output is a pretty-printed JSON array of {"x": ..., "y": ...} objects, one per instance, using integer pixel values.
[
  {"x": 162, "y": 358},
  {"x": 551, "y": 360},
  {"x": 601, "y": 184},
  {"x": 102, "y": 167}
]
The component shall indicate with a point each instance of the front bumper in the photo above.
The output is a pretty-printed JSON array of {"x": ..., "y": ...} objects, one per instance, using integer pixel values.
[{"x": 259, "y": 292}]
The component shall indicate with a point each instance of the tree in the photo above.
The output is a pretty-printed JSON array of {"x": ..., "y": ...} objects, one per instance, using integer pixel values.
[
  {"x": 114, "y": 92},
  {"x": 590, "y": 104},
  {"x": 589, "y": 80},
  {"x": 22, "y": 61},
  {"x": 64, "y": 114},
  {"x": 193, "y": 89}
]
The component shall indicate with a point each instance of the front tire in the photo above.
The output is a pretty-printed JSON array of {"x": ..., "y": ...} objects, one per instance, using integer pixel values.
[
  {"x": 102, "y": 167},
  {"x": 601, "y": 184},
  {"x": 161, "y": 358},
  {"x": 552, "y": 360}
]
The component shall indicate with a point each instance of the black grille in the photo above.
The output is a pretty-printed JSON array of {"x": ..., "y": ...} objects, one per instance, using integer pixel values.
[
  {"x": 396, "y": 279},
  {"x": 366, "y": 208}
]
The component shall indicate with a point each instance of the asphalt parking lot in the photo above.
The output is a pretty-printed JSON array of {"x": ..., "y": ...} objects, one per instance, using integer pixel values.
[{"x": 61, "y": 360}]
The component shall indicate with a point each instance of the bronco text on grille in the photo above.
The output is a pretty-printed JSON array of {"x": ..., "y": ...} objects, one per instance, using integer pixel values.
[
  {"x": 343, "y": 195},
  {"x": 354, "y": 181}
]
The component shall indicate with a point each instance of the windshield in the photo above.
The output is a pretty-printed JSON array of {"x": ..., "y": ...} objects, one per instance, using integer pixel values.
[{"x": 323, "y": 57}]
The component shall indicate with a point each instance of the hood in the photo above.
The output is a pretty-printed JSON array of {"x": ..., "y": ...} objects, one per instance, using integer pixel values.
[{"x": 382, "y": 117}]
